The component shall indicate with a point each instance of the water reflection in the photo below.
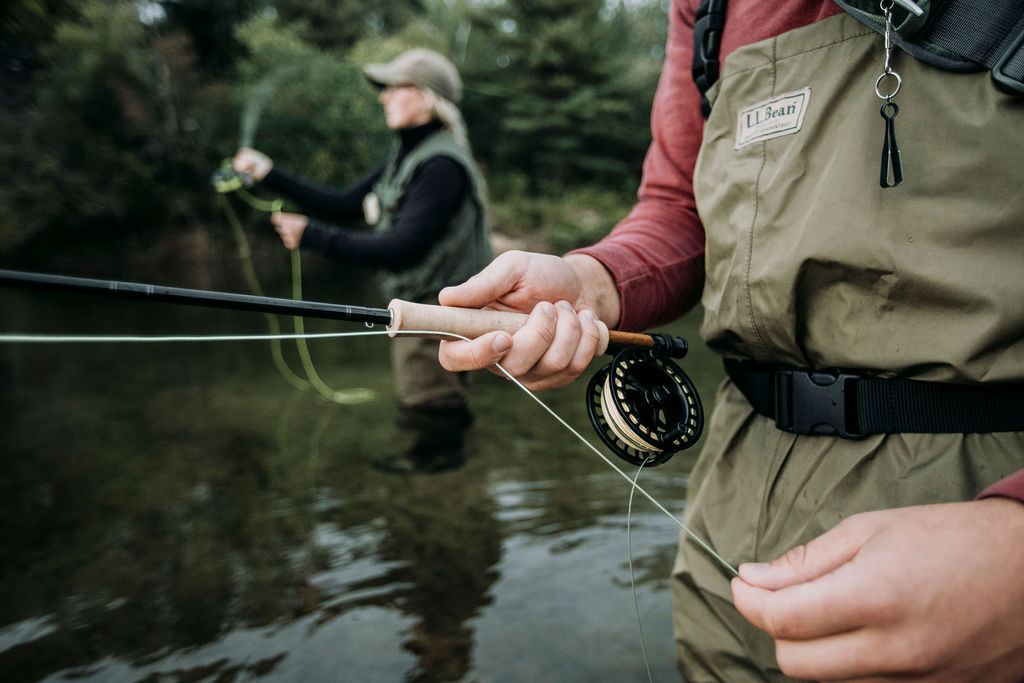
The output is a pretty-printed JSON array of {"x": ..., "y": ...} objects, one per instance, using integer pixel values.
[
  {"x": 444, "y": 544},
  {"x": 179, "y": 512}
]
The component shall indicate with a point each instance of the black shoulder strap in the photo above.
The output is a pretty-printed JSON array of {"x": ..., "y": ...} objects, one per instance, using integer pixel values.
[
  {"x": 957, "y": 35},
  {"x": 707, "y": 39}
]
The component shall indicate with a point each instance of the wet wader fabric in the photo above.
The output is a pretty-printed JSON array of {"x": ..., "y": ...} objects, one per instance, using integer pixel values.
[
  {"x": 421, "y": 382},
  {"x": 433, "y": 408},
  {"x": 811, "y": 264}
]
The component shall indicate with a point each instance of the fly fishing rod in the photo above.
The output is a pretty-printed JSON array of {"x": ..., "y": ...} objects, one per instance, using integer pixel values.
[{"x": 642, "y": 405}]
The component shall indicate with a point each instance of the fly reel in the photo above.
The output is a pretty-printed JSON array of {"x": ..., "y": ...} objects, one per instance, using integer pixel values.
[
  {"x": 226, "y": 179},
  {"x": 644, "y": 407}
]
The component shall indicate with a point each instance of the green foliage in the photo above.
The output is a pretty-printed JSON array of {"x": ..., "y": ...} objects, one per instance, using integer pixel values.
[
  {"x": 329, "y": 24},
  {"x": 311, "y": 111},
  {"x": 208, "y": 23},
  {"x": 30, "y": 23},
  {"x": 114, "y": 113},
  {"x": 569, "y": 108},
  {"x": 556, "y": 222},
  {"x": 111, "y": 139}
]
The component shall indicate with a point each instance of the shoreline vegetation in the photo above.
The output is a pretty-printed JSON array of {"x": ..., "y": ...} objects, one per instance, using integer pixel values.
[{"x": 114, "y": 118}]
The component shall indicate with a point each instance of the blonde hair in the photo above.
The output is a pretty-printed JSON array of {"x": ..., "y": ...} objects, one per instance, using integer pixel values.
[{"x": 446, "y": 111}]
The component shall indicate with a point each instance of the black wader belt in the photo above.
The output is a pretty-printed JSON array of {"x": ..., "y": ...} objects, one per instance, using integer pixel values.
[{"x": 852, "y": 406}]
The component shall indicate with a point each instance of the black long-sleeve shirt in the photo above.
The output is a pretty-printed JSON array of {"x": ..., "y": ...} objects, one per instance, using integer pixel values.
[{"x": 432, "y": 196}]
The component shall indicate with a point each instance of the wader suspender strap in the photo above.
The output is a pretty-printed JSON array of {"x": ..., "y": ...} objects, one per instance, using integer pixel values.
[
  {"x": 959, "y": 35},
  {"x": 963, "y": 35},
  {"x": 851, "y": 406},
  {"x": 707, "y": 39}
]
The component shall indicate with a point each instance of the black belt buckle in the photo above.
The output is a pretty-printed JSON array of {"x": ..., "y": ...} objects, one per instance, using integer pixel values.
[
  {"x": 816, "y": 403},
  {"x": 1000, "y": 74}
]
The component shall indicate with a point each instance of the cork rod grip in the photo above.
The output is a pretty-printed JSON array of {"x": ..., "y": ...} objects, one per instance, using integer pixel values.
[{"x": 467, "y": 322}]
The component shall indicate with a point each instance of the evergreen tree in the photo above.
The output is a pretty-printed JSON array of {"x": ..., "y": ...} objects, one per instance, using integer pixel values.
[
  {"x": 115, "y": 112},
  {"x": 113, "y": 140},
  {"x": 333, "y": 25},
  {"x": 568, "y": 102},
  {"x": 210, "y": 25}
]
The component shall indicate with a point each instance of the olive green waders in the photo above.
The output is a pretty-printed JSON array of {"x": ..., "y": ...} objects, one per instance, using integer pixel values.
[
  {"x": 433, "y": 410},
  {"x": 810, "y": 263}
]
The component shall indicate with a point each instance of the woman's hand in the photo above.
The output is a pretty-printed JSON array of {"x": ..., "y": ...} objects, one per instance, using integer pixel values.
[
  {"x": 934, "y": 592},
  {"x": 564, "y": 297},
  {"x": 253, "y": 163},
  {"x": 290, "y": 227}
]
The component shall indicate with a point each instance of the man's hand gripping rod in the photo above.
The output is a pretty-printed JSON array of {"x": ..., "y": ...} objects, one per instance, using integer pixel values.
[{"x": 472, "y": 323}]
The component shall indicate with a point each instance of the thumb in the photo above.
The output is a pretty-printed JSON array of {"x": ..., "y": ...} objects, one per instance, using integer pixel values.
[
  {"x": 810, "y": 561},
  {"x": 482, "y": 352}
]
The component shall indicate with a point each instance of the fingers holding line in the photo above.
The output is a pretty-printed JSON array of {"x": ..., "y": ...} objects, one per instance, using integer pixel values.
[
  {"x": 814, "y": 590},
  {"x": 517, "y": 353}
]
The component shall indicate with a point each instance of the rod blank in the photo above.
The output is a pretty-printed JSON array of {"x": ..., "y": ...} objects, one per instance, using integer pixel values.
[{"x": 197, "y": 297}]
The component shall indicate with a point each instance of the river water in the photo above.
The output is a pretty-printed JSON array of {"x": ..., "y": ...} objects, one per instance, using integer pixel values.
[{"x": 179, "y": 512}]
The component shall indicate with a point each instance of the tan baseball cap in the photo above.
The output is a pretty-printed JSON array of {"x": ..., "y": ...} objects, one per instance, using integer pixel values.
[{"x": 422, "y": 68}]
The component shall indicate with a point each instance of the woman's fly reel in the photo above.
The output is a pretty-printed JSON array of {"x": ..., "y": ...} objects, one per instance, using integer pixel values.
[
  {"x": 644, "y": 407},
  {"x": 226, "y": 179}
]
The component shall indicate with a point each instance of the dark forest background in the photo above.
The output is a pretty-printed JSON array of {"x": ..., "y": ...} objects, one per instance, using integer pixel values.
[{"x": 114, "y": 114}]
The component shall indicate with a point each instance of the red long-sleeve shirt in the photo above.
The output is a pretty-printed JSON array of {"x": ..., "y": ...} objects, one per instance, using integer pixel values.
[{"x": 656, "y": 254}]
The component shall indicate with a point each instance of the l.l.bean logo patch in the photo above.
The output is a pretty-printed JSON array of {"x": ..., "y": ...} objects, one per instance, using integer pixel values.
[{"x": 781, "y": 115}]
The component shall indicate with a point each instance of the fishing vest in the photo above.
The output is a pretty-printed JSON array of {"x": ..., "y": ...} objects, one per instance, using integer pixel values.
[
  {"x": 463, "y": 248},
  {"x": 811, "y": 264}
]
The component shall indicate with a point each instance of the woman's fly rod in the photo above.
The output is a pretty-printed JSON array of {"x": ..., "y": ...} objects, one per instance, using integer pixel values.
[{"x": 399, "y": 315}]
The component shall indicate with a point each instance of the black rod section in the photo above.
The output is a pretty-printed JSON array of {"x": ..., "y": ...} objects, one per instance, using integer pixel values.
[{"x": 197, "y": 297}]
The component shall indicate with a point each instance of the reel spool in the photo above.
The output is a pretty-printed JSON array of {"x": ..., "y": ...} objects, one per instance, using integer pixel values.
[
  {"x": 226, "y": 179},
  {"x": 644, "y": 407}
]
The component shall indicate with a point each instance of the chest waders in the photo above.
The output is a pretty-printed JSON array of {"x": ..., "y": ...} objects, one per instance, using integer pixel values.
[
  {"x": 811, "y": 265},
  {"x": 433, "y": 409}
]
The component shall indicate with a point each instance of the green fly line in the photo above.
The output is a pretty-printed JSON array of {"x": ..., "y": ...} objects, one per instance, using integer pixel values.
[
  {"x": 249, "y": 271},
  {"x": 313, "y": 379},
  {"x": 258, "y": 98},
  {"x": 632, "y": 575},
  {"x": 261, "y": 94}
]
